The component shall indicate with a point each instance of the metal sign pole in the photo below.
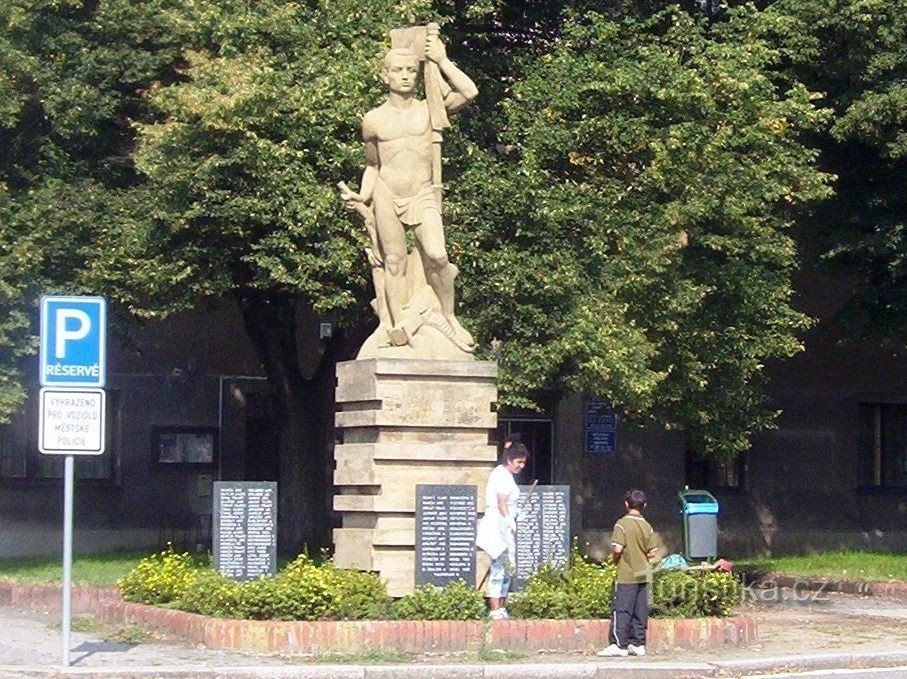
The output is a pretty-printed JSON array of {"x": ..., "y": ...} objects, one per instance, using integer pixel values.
[{"x": 67, "y": 554}]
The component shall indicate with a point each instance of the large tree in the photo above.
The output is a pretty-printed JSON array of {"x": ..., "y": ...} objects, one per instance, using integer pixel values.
[
  {"x": 71, "y": 76},
  {"x": 853, "y": 53},
  {"x": 618, "y": 204},
  {"x": 632, "y": 241}
]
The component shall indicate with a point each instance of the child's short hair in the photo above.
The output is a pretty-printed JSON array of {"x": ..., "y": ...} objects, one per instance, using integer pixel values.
[
  {"x": 514, "y": 451},
  {"x": 635, "y": 499}
]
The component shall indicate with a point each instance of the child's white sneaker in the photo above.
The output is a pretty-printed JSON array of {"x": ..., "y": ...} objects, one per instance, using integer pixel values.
[
  {"x": 613, "y": 651},
  {"x": 636, "y": 650},
  {"x": 499, "y": 614}
]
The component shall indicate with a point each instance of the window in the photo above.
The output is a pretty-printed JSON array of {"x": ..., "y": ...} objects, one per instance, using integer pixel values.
[
  {"x": 196, "y": 446},
  {"x": 882, "y": 445},
  {"x": 712, "y": 474}
]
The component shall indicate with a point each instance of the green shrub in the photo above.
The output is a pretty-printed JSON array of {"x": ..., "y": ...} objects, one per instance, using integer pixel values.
[
  {"x": 584, "y": 590},
  {"x": 674, "y": 595},
  {"x": 456, "y": 601},
  {"x": 160, "y": 578},
  {"x": 694, "y": 594},
  {"x": 545, "y": 595},
  {"x": 719, "y": 594},
  {"x": 212, "y": 594},
  {"x": 304, "y": 590},
  {"x": 363, "y": 596}
]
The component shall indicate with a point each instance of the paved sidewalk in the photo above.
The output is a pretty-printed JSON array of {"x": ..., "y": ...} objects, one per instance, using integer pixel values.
[{"x": 828, "y": 631}]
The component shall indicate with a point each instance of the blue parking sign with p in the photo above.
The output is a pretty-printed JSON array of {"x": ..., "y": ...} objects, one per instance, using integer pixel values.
[{"x": 73, "y": 341}]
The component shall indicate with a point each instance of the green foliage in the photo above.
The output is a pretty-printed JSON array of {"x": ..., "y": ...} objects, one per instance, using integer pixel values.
[
  {"x": 303, "y": 590},
  {"x": 161, "y": 578},
  {"x": 363, "y": 596},
  {"x": 694, "y": 594},
  {"x": 213, "y": 594},
  {"x": 631, "y": 242},
  {"x": 853, "y": 52},
  {"x": 456, "y": 601},
  {"x": 585, "y": 591},
  {"x": 582, "y": 591}
]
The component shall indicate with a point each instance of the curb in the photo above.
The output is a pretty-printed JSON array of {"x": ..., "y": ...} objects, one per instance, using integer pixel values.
[{"x": 632, "y": 669}]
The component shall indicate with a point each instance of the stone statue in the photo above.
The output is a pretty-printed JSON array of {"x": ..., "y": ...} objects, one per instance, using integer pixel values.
[{"x": 400, "y": 192}]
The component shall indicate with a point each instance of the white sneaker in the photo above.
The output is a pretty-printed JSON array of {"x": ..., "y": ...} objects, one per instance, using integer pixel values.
[
  {"x": 613, "y": 651},
  {"x": 636, "y": 650},
  {"x": 499, "y": 614}
]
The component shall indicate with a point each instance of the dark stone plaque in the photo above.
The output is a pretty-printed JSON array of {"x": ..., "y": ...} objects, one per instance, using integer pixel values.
[
  {"x": 445, "y": 534},
  {"x": 245, "y": 528},
  {"x": 543, "y": 531}
]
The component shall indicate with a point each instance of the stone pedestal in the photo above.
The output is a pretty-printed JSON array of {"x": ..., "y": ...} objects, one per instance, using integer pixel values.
[{"x": 404, "y": 422}]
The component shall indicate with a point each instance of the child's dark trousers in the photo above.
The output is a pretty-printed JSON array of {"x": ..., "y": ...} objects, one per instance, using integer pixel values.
[{"x": 630, "y": 614}]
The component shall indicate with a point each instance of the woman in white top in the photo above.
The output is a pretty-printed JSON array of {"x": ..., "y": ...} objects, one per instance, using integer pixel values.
[{"x": 501, "y": 498}]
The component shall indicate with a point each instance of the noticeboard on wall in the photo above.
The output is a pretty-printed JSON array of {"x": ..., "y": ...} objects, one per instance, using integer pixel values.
[{"x": 191, "y": 446}]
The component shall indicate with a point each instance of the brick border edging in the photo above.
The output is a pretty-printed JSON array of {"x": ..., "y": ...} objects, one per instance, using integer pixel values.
[
  {"x": 417, "y": 636},
  {"x": 414, "y": 636},
  {"x": 49, "y": 598},
  {"x": 890, "y": 590}
]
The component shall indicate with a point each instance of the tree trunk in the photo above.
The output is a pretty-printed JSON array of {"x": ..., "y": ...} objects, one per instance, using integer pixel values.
[{"x": 304, "y": 420}]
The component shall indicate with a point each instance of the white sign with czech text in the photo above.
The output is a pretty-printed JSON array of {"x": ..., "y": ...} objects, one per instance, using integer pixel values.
[{"x": 71, "y": 422}]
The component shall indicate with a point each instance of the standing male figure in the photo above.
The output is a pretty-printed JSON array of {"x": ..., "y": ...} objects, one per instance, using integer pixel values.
[
  {"x": 633, "y": 546},
  {"x": 399, "y": 181}
]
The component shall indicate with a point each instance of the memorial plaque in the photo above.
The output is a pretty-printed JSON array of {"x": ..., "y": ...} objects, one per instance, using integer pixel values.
[
  {"x": 245, "y": 528},
  {"x": 445, "y": 534},
  {"x": 543, "y": 531}
]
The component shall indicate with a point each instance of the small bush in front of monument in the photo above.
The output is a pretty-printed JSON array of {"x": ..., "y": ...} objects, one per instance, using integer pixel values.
[
  {"x": 212, "y": 594},
  {"x": 581, "y": 591},
  {"x": 585, "y": 591},
  {"x": 160, "y": 578},
  {"x": 456, "y": 601},
  {"x": 308, "y": 590},
  {"x": 305, "y": 590},
  {"x": 363, "y": 596},
  {"x": 695, "y": 594}
]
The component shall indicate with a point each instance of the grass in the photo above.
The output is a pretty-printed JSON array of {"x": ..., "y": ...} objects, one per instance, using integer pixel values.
[
  {"x": 874, "y": 566},
  {"x": 94, "y": 570}
]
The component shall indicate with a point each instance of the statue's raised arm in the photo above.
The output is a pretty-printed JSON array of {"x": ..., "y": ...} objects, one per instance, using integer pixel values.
[{"x": 400, "y": 191}]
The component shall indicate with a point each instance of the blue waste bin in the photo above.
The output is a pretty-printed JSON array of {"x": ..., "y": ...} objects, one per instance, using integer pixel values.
[{"x": 699, "y": 511}]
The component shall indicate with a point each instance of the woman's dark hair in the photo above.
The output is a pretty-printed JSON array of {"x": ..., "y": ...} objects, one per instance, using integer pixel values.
[{"x": 514, "y": 451}]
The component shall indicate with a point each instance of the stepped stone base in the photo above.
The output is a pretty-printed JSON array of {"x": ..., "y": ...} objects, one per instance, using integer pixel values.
[{"x": 405, "y": 422}]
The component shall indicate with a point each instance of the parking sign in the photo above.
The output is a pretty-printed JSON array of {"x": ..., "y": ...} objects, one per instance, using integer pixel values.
[{"x": 73, "y": 341}]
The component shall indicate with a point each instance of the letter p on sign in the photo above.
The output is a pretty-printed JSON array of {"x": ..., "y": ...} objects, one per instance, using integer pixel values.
[
  {"x": 67, "y": 331},
  {"x": 73, "y": 341}
]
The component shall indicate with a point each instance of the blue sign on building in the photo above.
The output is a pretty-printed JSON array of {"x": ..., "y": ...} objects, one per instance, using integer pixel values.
[
  {"x": 73, "y": 341},
  {"x": 600, "y": 428}
]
